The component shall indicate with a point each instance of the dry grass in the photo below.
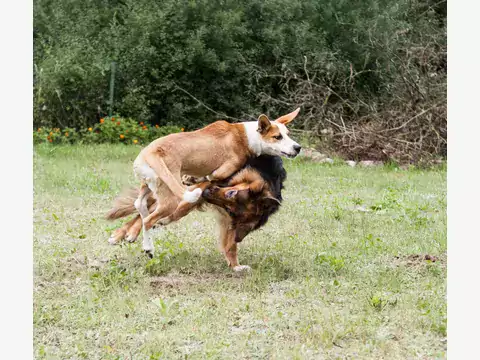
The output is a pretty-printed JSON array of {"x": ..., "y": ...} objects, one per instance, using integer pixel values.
[{"x": 329, "y": 280}]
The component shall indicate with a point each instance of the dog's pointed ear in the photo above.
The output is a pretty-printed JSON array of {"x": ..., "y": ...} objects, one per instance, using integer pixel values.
[
  {"x": 285, "y": 119},
  {"x": 263, "y": 124},
  {"x": 269, "y": 202}
]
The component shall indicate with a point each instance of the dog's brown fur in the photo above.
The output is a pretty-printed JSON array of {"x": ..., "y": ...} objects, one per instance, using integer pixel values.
[
  {"x": 214, "y": 152},
  {"x": 241, "y": 202}
]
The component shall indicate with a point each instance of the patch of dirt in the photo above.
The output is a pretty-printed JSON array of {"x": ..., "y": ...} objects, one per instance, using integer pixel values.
[
  {"x": 422, "y": 257},
  {"x": 180, "y": 282},
  {"x": 416, "y": 259}
]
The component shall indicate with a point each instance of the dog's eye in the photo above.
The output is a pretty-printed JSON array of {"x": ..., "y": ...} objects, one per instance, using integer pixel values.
[{"x": 278, "y": 137}]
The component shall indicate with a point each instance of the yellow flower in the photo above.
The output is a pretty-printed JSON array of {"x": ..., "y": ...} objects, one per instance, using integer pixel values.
[
  {"x": 89, "y": 129},
  {"x": 102, "y": 121},
  {"x": 122, "y": 136},
  {"x": 39, "y": 129},
  {"x": 135, "y": 141},
  {"x": 182, "y": 129},
  {"x": 66, "y": 134},
  {"x": 51, "y": 133}
]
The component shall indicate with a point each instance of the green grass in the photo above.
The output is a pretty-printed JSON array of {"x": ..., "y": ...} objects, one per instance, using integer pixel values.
[{"x": 328, "y": 280}]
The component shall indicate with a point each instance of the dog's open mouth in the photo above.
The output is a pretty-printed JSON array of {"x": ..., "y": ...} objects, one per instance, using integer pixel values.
[{"x": 291, "y": 156}]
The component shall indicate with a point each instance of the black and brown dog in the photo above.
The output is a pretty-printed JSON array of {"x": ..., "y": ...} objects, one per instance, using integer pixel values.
[{"x": 244, "y": 202}]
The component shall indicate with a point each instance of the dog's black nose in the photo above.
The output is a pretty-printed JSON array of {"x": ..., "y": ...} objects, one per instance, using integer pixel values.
[
  {"x": 210, "y": 191},
  {"x": 297, "y": 148}
]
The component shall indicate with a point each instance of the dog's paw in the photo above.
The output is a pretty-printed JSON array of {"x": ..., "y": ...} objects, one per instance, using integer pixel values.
[
  {"x": 192, "y": 196},
  {"x": 242, "y": 268},
  {"x": 131, "y": 237},
  {"x": 189, "y": 180},
  {"x": 112, "y": 240},
  {"x": 115, "y": 238}
]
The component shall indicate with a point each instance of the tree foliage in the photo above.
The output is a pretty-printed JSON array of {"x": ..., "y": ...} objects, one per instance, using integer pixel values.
[{"x": 191, "y": 62}]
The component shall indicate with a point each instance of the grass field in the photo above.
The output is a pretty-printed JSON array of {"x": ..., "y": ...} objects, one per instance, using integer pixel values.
[{"x": 335, "y": 273}]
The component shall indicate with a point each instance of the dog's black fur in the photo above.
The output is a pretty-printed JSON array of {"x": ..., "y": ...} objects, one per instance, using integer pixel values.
[{"x": 272, "y": 170}]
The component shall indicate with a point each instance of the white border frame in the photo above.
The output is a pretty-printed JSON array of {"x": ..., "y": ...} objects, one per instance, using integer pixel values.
[
  {"x": 16, "y": 72},
  {"x": 16, "y": 20},
  {"x": 463, "y": 180}
]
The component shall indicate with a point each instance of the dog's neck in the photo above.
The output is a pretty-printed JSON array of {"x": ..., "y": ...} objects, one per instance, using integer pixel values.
[{"x": 253, "y": 137}]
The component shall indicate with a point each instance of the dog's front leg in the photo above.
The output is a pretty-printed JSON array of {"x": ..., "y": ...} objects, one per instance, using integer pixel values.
[
  {"x": 229, "y": 248},
  {"x": 223, "y": 172},
  {"x": 183, "y": 208}
]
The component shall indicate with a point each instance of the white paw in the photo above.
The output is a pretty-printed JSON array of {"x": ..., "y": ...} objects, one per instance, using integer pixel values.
[
  {"x": 147, "y": 244},
  {"x": 113, "y": 240},
  {"x": 149, "y": 253},
  {"x": 192, "y": 196},
  {"x": 188, "y": 180},
  {"x": 148, "y": 250},
  {"x": 242, "y": 268}
]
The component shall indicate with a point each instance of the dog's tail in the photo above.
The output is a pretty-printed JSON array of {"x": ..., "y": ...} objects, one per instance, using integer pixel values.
[
  {"x": 124, "y": 204},
  {"x": 165, "y": 175}
]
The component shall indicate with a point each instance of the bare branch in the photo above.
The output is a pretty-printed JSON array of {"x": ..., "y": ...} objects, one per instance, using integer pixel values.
[{"x": 224, "y": 116}]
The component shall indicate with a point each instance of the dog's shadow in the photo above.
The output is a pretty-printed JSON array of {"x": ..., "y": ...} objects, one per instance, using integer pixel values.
[{"x": 265, "y": 268}]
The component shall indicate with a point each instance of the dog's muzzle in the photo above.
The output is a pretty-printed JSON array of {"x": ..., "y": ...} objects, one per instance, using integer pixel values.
[{"x": 208, "y": 192}]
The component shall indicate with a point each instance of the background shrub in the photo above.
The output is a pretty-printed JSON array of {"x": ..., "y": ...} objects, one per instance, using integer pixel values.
[
  {"x": 371, "y": 74},
  {"x": 113, "y": 129}
]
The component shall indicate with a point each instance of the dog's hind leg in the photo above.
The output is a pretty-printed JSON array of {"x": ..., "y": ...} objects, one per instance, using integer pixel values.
[
  {"x": 162, "y": 209},
  {"x": 167, "y": 203},
  {"x": 135, "y": 226},
  {"x": 131, "y": 234},
  {"x": 142, "y": 207},
  {"x": 122, "y": 233},
  {"x": 166, "y": 175}
]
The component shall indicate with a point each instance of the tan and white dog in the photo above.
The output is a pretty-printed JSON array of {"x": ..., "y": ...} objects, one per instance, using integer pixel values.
[{"x": 214, "y": 152}]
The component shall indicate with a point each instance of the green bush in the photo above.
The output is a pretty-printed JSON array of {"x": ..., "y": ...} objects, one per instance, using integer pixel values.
[
  {"x": 109, "y": 130},
  {"x": 360, "y": 67}
]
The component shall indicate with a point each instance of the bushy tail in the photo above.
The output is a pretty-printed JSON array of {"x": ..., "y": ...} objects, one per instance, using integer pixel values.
[{"x": 124, "y": 204}]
